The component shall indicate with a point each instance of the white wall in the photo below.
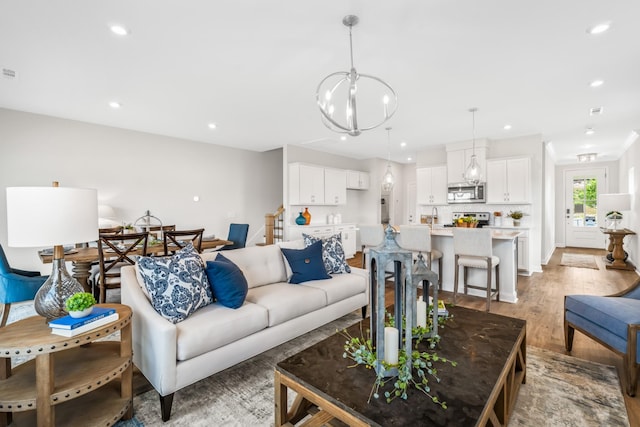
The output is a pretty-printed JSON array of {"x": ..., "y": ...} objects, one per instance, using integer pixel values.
[
  {"x": 548, "y": 214},
  {"x": 629, "y": 181},
  {"x": 135, "y": 171}
]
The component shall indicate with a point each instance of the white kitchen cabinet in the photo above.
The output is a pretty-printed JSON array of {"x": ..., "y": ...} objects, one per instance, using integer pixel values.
[
  {"x": 357, "y": 180},
  {"x": 348, "y": 233},
  {"x": 458, "y": 160},
  {"x": 509, "y": 180},
  {"x": 306, "y": 184},
  {"x": 431, "y": 185},
  {"x": 335, "y": 186}
]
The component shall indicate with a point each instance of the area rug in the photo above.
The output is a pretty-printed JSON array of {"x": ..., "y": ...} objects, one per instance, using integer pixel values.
[
  {"x": 560, "y": 391},
  {"x": 579, "y": 260}
]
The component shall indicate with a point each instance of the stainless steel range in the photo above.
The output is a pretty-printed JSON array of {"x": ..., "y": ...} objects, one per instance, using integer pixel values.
[{"x": 482, "y": 217}]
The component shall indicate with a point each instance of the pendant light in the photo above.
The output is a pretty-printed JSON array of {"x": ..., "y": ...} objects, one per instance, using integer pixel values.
[
  {"x": 387, "y": 179},
  {"x": 337, "y": 93},
  {"x": 473, "y": 174}
]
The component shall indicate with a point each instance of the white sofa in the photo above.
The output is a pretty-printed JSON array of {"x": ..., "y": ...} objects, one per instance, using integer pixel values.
[{"x": 173, "y": 356}]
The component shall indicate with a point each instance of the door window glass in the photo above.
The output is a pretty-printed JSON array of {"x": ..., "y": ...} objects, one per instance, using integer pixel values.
[{"x": 585, "y": 202}]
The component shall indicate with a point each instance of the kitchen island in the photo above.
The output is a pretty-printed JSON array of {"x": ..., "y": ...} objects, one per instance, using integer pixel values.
[{"x": 504, "y": 247}]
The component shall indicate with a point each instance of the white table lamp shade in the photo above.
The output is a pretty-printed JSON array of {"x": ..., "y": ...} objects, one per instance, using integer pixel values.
[
  {"x": 614, "y": 202},
  {"x": 50, "y": 216}
]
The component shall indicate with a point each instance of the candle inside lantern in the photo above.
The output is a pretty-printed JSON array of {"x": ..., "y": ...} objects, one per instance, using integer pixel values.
[
  {"x": 391, "y": 338},
  {"x": 421, "y": 312}
]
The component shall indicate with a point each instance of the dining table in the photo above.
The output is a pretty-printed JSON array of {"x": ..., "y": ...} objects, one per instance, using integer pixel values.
[{"x": 84, "y": 257}]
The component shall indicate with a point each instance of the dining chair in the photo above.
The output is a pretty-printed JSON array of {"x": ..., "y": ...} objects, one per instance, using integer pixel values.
[
  {"x": 111, "y": 230},
  {"x": 238, "y": 235},
  {"x": 417, "y": 238},
  {"x": 157, "y": 231},
  {"x": 180, "y": 239},
  {"x": 114, "y": 252},
  {"x": 472, "y": 248},
  {"x": 16, "y": 285}
]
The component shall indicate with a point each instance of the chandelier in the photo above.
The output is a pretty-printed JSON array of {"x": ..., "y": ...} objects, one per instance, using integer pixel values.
[
  {"x": 387, "y": 179},
  {"x": 473, "y": 174},
  {"x": 337, "y": 96}
]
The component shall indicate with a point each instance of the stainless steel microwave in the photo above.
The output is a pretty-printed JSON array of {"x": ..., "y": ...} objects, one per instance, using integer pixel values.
[{"x": 464, "y": 192}]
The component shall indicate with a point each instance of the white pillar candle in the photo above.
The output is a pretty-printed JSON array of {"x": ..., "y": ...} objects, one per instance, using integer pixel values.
[
  {"x": 421, "y": 313},
  {"x": 391, "y": 338}
]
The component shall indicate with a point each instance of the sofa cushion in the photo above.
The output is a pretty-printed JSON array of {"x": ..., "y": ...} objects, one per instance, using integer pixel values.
[
  {"x": 285, "y": 301},
  {"x": 306, "y": 264},
  {"x": 341, "y": 286},
  {"x": 214, "y": 326},
  {"x": 177, "y": 284},
  {"x": 291, "y": 244},
  {"x": 227, "y": 281},
  {"x": 332, "y": 252},
  {"x": 260, "y": 265}
]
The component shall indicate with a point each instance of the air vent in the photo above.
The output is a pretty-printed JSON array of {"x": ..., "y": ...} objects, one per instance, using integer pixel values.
[
  {"x": 9, "y": 74},
  {"x": 595, "y": 111}
]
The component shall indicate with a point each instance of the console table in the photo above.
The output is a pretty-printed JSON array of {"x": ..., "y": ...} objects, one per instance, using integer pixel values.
[
  {"x": 72, "y": 380},
  {"x": 616, "y": 249}
]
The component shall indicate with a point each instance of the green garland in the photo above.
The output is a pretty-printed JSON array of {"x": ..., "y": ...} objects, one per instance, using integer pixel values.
[{"x": 362, "y": 352}]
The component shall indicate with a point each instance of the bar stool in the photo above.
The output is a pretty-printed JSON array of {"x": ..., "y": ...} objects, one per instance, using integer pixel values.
[
  {"x": 472, "y": 249},
  {"x": 371, "y": 235},
  {"x": 418, "y": 238}
]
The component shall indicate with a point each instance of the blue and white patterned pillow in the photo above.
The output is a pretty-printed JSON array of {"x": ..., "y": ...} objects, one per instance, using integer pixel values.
[
  {"x": 177, "y": 284},
  {"x": 332, "y": 253}
]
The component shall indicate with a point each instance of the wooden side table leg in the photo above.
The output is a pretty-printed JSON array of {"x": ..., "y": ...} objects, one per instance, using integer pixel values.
[
  {"x": 618, "y": 252},
  {"x": 46, "y": 415}
]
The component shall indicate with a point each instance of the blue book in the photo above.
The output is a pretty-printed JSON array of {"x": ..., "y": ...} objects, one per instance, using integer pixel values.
[{"x": 68, "y": 322}]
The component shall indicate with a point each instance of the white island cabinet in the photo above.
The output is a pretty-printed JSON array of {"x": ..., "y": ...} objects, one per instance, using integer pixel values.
[{"x": 504, "y": 247}]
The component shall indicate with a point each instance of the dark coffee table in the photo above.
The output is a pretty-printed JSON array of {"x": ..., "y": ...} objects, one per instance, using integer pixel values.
[{"x": 491, "y": 353}]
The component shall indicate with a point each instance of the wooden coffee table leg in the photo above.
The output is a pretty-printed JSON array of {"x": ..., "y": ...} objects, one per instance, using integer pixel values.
[{"x": 280, "y": 398}]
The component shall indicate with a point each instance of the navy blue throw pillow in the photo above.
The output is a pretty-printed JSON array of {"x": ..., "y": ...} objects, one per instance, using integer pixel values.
[
  {"x": 227, "y": 281},
  {"x": 306, "y": 264}
]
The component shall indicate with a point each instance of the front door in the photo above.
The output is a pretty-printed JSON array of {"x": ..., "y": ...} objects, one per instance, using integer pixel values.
[{"x": 582, "y": 225}]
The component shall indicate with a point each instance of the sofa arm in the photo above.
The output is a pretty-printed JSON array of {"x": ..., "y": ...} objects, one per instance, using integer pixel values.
[
  {"x": 365, "y": 274},
  {"x": 154, "y": 337}
]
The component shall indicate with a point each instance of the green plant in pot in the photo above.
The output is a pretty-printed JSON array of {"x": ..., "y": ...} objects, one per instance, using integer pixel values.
[
  {"x": 80, "y": 304},
  {"x": 516, "y": 216}
]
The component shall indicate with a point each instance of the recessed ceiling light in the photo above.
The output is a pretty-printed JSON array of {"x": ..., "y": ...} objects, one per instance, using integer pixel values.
[
  {"x": 599, "y": 28},
  {"x": 596, "y": 83},
  {"x": 119, "y": 30},
  {"x": 343, "y": 138},
  {"x": 589, "y": 131},
  {"x": 115, "y": 105},
  {"x": 403, "y": 144},
  {"x": 507, "y": 127},
  {"x": 409, "y": 159},
  {"x": 212, "y": 126}
]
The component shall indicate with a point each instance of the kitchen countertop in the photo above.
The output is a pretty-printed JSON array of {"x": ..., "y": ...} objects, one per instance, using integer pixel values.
[{"x": 500, "y": 234}]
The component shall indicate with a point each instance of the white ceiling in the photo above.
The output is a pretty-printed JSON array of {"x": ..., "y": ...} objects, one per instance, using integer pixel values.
[{"x": 252, "y": 67}]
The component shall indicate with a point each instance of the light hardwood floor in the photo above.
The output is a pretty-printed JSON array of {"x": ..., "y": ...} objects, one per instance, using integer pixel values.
[{"x": 541, "y": 303}]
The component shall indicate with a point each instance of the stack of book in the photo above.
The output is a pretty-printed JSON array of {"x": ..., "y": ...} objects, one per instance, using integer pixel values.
[{"x": 68, "y": 326}]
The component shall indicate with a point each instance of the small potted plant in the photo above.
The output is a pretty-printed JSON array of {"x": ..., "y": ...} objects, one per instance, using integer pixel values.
[
  {"x": 516, "y": 216},
  {"x": 80, "y": 304}
]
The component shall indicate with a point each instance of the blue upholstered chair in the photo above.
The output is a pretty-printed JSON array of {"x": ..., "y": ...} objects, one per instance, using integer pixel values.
[
  {"x": 238, "y": 235},
  {"x": 613, "y": 321},
  {"x": 16, "y": 285}
]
